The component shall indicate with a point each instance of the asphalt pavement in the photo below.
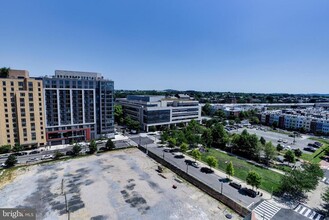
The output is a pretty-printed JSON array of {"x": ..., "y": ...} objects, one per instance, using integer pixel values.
[
  {"x": 213, "y": 180},
  {"x": 300, "y": 142}
]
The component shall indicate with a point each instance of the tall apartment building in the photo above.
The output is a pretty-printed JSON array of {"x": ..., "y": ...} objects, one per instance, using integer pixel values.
[
  {"x": 21, "y": 110},
  {"x": 79, "y": 106},
  {"x": 159, "y": 110}
]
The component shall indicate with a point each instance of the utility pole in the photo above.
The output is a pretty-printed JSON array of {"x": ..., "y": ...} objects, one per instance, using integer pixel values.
[{"x": 62, "y": 186}]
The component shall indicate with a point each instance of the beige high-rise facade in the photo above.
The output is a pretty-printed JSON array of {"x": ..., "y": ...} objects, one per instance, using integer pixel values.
[{"x": 21, "y": 110}]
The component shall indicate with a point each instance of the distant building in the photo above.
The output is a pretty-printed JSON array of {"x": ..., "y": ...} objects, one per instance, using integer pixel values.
[
  {"x": 159, "y": 110},
  {"x": 22, "y": 110},
  {"x": 79, "y": 106}
]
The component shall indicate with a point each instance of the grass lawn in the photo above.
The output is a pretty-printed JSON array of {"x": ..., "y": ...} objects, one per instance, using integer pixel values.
[{"x": 241, "y": 168}]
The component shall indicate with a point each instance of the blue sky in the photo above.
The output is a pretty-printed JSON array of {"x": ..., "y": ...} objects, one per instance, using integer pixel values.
[{"x": 213, "y": 45}]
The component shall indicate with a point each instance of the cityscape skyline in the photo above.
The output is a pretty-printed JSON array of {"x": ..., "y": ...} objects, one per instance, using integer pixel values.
[{"x": 272, "y": 47}]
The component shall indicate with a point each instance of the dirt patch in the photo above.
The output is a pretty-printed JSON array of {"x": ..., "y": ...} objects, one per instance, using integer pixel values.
[{"x": 8, "y": 175}]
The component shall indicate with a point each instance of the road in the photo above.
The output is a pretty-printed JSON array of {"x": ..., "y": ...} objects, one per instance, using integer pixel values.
[
  {"x": 23, "y": 159},
  {"x": 213, "y": 180}
]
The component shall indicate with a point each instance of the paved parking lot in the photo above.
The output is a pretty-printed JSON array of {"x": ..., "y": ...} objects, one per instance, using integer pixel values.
[
  {"x": 300, "y": 143},
  {"x": 114, "y": 185}
]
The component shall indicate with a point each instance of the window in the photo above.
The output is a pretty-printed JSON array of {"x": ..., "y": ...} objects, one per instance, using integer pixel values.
[
  {"x": 12, "y": 83},
  {"x": 4, "y": 83}
]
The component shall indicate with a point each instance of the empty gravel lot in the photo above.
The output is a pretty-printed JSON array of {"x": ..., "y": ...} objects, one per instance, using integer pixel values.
[{"x": 115, "y": 185}]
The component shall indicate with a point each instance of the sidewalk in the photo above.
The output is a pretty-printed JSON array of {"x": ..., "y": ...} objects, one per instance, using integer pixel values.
[{"x": 223, "y": 175}]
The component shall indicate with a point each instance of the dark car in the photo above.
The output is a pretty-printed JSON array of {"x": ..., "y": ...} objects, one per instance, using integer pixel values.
[
  {"x": 179, "y": 155},
  {"x": 235, "y": 185},
  {"x": 318, "y": 144},
  {"x": 18, "y": 154},
  {"x": 69, "y": 153},
  {"x": 250, "y": 192},
  {"x": 102, "y": 149},
  {"x": 310, "y": 149},
  {"x": 34, "y": 152},
  {"x": 174, "y": 150},
  {"x": 310, "y": 144},
  {"x": 188, "y": 162},
  {"x": 206, "y": 170}
]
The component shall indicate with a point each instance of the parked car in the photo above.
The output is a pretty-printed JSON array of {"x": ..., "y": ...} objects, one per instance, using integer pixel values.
[
  {"x": 318, "y": 144},
  {"x": 195, "y": 164},
  {"x": 34, "y": 152},
  {"x": 174, "y": 150},
  {"x": 311, "y": 149},
  {"x": 250, "y": 192},
  {"x": 206, "y": 170},
  {"x": 235, "y": 185},
  {"x": 48, "y": 156},
  {"x": 69, "y": 153},
  {"x": 179, "y": 155}
]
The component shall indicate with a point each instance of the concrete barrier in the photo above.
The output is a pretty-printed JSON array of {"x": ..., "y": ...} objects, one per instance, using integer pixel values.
[{"x": 240, "y": 209}]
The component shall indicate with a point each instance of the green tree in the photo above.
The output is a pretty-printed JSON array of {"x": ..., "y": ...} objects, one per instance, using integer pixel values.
[
  {"x": 298, "y": 152},
  {"x": 118, "y": 114},
  {"x": 254, "y": 120},
  {"x": 11, "y": 160},
  {"x": 206, "y": 109},
  {"x": 171, "y": 142},
  {"x": 17, "y": 148},
  {"x": 220, "y": 114},
  {"x": 206, "y": 137},
  {"x": 109, "y": 145},
  {"x": 92, "y": 147},
  {"x": 246, "y": 145},
  {"x": 325, "y": 198},
  {"x": 58, "y": 155},
  {"x": 164, "y": 137},
  {"x": 5, "y": 149},
  {"x": 196, "y": 154},
  {"x": 269, "y": 151},
  {"x": 289, "y": 156},
  {"x": 279, "y": 147},
  {"x": 76, "y": 149},
  {"x": 219, "y": 136},
  {"x": 4, "y": 72},
  {"x": 230, "y": 169},
  {"x": 212, "y": 161},
  {"x": 294, "y": 185},
  {"x": 262, "y": 140},
  {"x": 184, "y": 147},
  {"x": 254, "y": 179}
]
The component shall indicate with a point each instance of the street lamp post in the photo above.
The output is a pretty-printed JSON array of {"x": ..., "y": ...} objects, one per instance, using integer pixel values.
[
  {"x": 221, "y": 187},
  {"x": 186, "y": 168}
]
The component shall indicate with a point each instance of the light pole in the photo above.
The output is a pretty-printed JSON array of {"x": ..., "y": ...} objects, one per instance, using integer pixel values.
[
  {"x": 186, "y": 167},
  {"x": 221, "y": 188}
]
